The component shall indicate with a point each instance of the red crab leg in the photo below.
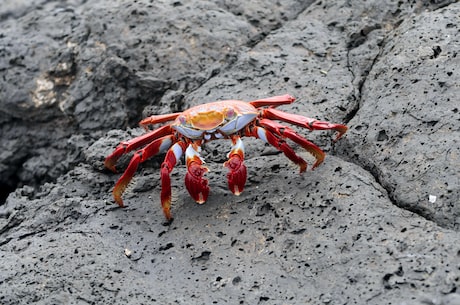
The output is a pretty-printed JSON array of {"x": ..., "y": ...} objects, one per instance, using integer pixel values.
[
  {"x": 157, "y": 146},
  {"x": 237, "y": 170},
  {"x": 278, "y": 143},
  {"x": 127, "y": 146},
  {"x": 273, "y": 101},
  {"x": 196, "y": 185},
  {"x": 161, "y": 118},
  {"x": 285, "y": 131},
  {"x": 311, "y": 124},
  {"x": 174, "y": 153}
]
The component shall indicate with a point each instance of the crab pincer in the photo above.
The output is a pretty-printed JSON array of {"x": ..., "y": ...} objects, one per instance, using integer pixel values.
[
  {"x": 196, "y": 185},
  {"x": 237, "y": 170}
]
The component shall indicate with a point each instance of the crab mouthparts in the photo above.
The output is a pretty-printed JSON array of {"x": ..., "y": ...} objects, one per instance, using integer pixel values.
[{"x": 207, "y": 120}]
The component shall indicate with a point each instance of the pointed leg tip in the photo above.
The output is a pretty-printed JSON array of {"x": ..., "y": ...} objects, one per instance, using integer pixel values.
[
  {"x": 303, "y": 167},
  {"x": 117, "y": 192},
  {"x": 342, "y": 129},
  {"x": 166, "y": 205},
  {"x": 110, "y": 166},
  {"x": 318, "y": 163},
  {"x": 168, "y": 221},
  {"x": 119, "y": 201},
  {"x": 169, "y": 218},
  {"x": 117, "y": 196},
  {"x": 337, "y": 138}
]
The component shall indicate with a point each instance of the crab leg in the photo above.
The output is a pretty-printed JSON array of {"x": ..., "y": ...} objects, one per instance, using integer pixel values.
[
  {"x": 161, "y": 118},
  {"x": 196, "y": 185},
  {"x": 237, "y": 170},
  {"x": 273, "y": 101},
  {"x": 299, "y": 120},
  {"x": 174, "y": 153},
  {"x": 157, "y": 146},
  {"x": 127, "y": 146},
  {"x": 278, "y": 143},
  {"x": 287, "y": 132}
]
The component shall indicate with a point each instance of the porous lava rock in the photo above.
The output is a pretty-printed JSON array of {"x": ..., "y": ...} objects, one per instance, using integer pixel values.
[{"x": 376, "y": 223}]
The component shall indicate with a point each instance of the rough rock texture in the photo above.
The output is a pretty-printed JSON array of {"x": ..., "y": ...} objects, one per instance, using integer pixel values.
[{"x": 377, "y": 223}]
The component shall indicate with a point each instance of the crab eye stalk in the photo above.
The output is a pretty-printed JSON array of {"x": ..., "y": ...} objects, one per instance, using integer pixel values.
[
  {"x": 230, "y": 113},
  {"x": 182, "y": 120}
]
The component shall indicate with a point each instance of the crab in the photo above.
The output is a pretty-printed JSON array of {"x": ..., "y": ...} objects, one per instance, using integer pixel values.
[{"x": 229, "y": 119}]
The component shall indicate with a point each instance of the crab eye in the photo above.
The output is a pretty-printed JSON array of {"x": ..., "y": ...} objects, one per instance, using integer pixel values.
[
  {"x": 231, "y": 113},
  {"x": 182, "y": 119}
]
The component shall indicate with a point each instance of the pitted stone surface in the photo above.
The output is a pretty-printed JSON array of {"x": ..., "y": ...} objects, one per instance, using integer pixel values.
[{"x": 377, "y": 223}]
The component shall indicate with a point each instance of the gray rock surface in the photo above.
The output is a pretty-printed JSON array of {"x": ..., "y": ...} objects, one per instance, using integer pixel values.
[{"x": 377, "y": 223}]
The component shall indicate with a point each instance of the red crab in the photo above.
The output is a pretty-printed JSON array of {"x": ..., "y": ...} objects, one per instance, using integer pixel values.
[{"x": 229, "y": 119}]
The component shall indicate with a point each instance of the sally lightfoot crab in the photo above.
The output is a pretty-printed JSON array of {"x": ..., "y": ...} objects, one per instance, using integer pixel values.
[{"x": 230, "y": 119}]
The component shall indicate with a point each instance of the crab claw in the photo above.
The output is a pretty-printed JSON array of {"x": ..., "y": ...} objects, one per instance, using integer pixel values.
[
  {"x": 196, "y": 185},
  {"x": 237, "y": 170},
  {"x": 237, "y": 174}
]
